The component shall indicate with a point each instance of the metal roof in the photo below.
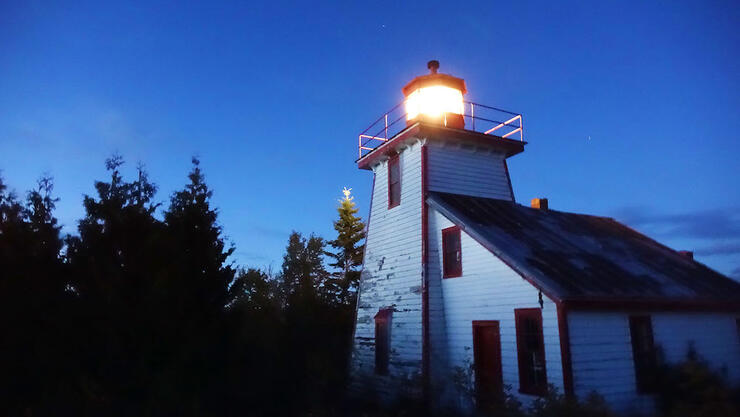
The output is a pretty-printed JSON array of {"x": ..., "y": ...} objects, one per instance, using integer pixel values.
[{"x": 583, "y": 257}]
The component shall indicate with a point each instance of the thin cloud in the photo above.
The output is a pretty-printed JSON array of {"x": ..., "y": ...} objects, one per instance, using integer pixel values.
[
  {"x": 721, "y": 223},
  {"x": 712, "y": 233},
  {"x": 252, "y": 256},
  {"x": 271, "y": 232},
  {"x": 731, "y": 248}
]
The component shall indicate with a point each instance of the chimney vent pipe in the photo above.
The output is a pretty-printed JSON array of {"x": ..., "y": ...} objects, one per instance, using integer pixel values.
[{"x": 540, "y": 203}]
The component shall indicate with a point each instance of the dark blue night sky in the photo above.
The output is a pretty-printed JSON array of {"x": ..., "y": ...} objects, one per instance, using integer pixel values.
[{"x": 631, "y": 109}]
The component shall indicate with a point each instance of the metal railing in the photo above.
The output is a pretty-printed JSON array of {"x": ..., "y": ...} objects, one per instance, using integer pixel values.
[{"x": 478, "y": 118}]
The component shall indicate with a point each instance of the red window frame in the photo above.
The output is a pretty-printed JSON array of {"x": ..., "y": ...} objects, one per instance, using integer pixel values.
[
  {"x": 394, "y": 182},
  {"x": 530, "y": 348},
  {"x": 451, "y": 252},
  {"x": 644, "y": 354},
  {"x": 382, "y": 340}
]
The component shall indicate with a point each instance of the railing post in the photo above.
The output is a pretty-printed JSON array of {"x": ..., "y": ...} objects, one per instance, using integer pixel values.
[
  {"x": 472, "y": 115},
  {"x": 521, "y": 128}
]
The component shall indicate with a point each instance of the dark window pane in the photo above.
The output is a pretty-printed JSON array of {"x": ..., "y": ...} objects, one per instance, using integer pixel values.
[
  {"x": 451, "y": 252},
  {"x": 530, "y": 351},
  {"x": 643, "y": 353},
  {"x": 382, "y": 341},
  {"x": 394, "y": 182}
]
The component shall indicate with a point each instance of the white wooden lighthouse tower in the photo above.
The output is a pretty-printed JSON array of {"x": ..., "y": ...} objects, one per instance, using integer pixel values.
[{"x": 434, "y": 141}]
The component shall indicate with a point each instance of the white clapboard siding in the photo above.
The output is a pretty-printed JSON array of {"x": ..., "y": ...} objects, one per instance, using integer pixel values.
[
  {"x": 714, "y": 336},
  {"x": 601, "y": 359},
  {"x": 601, "y": 351},
  {"x": 467, "y": 170},
  {"x": 391, "y": 277},
  {"x": 487, "y": 290}
]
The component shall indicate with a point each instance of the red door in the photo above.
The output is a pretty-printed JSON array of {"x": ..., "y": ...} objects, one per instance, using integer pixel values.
[{"x": 487, "y": 356}]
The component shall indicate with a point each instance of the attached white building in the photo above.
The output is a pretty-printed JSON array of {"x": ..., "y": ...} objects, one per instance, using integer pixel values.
[{"x": 465, "y": 291}]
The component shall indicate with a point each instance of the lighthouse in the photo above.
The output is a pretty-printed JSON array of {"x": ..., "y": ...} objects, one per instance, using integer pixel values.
[
  {"x": 467, "y": 296},
  {"x": 433, "y": 141}
]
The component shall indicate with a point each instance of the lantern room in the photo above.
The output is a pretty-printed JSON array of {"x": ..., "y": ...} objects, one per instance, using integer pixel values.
[
  {"x": 435, "y": 98},
  {"x": 436, "y": 101}
]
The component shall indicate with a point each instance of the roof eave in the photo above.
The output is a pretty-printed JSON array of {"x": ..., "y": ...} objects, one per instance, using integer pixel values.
[{"x": 651, "y": 304}]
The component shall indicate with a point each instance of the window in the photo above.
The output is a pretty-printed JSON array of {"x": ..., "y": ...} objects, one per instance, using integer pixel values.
[
  {"x": 394, "y": 182},
  {"x": 530, "y": 347},
  {"x": 382, "y": 340},
  {"x": 451, "y": 252},
  {"x": 643, "y": 353}
]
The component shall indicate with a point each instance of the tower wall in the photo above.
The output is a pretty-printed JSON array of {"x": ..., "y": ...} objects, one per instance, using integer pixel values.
[
  {"x": 393, "y": 267},
  {"x": 391, "y": 278},
  {"x": 468, "y": 170}
]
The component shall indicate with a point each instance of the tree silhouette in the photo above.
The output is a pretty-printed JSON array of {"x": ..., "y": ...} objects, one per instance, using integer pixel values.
[
  {"x": 199, "y": 250},
  {"x": 303, "y": 273},
  {"x": 32, "y": 301},
  {"x": 198, "y": 292},
  {"x": 141, "y": 311}
]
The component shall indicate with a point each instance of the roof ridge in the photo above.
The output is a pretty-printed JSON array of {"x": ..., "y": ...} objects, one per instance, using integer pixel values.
[{"x": 525, "y": 206}]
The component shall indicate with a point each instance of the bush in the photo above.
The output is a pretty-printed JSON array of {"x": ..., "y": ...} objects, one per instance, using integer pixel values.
[
  {"x": 691, "y": 389},
  {"x": 555, "y": 404}
]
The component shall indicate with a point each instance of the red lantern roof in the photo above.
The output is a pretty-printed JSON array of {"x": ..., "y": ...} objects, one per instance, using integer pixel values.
[{"x": 433, "y": 79}]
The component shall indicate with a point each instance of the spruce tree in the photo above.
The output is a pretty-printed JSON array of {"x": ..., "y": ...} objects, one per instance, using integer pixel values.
[
  {"x": 120, "y": 275},
  {"x": 33, "y": 316},
  {"x": 303, "y": 273},
  {"x": 253, "y": 289},
  {"x": 200, "y": 248},
  {"x": 197, "y": 291},
  {"x": 348, "y": 251}
]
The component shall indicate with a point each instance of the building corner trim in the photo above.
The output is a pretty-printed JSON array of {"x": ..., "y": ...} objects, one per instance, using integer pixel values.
[
  {"x": 565, "y": 349},
  {"x": 425, "y": 356}
]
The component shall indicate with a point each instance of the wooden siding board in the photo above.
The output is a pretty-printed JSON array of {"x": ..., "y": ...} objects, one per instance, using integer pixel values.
[
  {"x": 467, "y": 171},
  {"x": 712, "y": 335}
]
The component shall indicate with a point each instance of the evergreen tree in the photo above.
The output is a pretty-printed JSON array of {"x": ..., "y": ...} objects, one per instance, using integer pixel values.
[
  {"x": 120, "y": 277},
  {"x": 303, "y": 273},
  {"x": 45, "y": 242},
  {"x": 253, "y": 289},
  {"x": 201, "y": 251},
  {"x": 32, "y": 302},
  {"x": 199, "y": 275},
  {"x": 348, "y": 251},
  {"x": 10, "y": 208},
  {"x": 119, "y": 240}
]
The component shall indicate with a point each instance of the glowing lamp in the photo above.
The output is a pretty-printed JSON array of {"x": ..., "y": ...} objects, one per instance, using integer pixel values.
[{"x": 435, "y": 98}]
